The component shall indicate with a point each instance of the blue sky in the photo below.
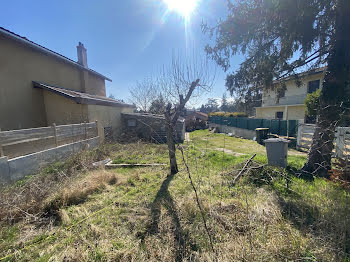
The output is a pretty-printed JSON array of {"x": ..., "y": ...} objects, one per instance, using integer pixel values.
[{"x": 126, "y": 40}]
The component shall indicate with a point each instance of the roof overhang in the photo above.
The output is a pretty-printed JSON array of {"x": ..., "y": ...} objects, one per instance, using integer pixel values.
[
  {"x": 315, "y": 71},
  {"x": 47, "y": 51},
  {"x": 79, "y": 97},
  {"x": 295, "y": 105}
]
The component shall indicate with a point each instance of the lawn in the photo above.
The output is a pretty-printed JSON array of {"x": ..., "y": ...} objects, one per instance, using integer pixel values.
[{"x": 145, "y": 214}]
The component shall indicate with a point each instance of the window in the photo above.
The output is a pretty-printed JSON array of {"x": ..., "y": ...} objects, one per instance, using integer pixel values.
[
  {"x": 313, "y": 86},
  {"x": 279, "y": 115}
]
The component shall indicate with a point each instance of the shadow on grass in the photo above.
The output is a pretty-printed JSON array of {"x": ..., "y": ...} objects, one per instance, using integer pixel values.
[
  {"x": 302, "y": 215},
  {"x": 329, "y": 224},
  {"x": 182, "y": 239}
]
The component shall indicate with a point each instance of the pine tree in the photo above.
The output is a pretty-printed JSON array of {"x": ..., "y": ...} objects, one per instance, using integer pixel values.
[{"x": 280, "y": 38}]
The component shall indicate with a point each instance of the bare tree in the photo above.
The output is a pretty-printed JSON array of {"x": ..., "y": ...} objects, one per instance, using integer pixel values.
[
  {"x": 144, "y": 93},
  {"x": 182, "y": 80}
]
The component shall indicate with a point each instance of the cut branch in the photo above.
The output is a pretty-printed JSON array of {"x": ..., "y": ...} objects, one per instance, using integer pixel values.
[{"x": 243, "y": 169}]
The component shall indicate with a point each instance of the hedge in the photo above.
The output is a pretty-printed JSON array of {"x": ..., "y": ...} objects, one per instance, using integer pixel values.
[{"x": 229, "y": 114}]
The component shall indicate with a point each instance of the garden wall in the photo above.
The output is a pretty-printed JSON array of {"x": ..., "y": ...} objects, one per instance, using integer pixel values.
[
  {"x": 17, "y": 168},
  {"x": 235, "y": 131}
]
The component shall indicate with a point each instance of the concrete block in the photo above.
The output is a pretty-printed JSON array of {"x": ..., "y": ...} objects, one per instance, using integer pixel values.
[
  {"x": 4, "y": 170},
  {"x": 235, "y": 131},
  {"x": 22, "y": 166}
]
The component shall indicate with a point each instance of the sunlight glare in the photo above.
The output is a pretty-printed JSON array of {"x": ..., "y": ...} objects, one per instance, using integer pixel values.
[{"x": 184, "y": 7}]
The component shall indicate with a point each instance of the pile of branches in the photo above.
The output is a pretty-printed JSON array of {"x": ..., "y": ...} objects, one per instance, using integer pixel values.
[
  {"x": 254, "y": 172},
  {"x": 341, "y": 172}
]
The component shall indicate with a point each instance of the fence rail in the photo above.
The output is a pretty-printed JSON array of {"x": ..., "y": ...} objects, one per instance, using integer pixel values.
[
  {"x": 25, "y": 141},
  {"x": 341, "y": 141},
  {"x": 276, "y": 126}
]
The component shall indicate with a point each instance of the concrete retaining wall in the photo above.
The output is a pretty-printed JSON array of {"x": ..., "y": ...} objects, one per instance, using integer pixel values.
[
  {"x": 17, "y": 168},
  {"x": 240, "y": 132}
]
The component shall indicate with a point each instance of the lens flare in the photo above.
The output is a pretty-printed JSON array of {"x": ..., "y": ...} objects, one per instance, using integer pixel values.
[{"x": 183, "y": 7}]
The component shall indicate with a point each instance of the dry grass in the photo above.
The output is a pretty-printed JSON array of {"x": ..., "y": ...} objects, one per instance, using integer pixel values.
[
  {"x": 148, "y": 215},
  {"x": 78, "y": 192},
  {"x": 25, "y": 199}
]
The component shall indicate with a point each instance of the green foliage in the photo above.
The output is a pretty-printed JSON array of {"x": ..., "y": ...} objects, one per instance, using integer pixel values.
[
  {"x": 275, "y": 36},
  {"x": 229, "y": 114},
  {"x": 312, "y": 102},
  {"x": 280, "y": 38}
]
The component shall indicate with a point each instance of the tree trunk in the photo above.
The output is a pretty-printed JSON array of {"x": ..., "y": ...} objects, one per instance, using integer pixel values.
[
  {"x": 333, "y": 95},
  {"x": 171, "y": 148}
]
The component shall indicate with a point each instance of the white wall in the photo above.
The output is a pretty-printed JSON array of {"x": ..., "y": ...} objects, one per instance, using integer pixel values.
[{"x": 293, "y": 94}]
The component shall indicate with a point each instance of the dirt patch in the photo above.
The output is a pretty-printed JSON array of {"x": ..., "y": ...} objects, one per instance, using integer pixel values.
[
  {"x": 230, "y": 152},
  {"x": 296, "y": 153}
]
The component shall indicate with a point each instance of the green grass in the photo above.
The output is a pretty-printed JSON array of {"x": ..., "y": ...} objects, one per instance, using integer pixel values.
[{"x": 151, "y": 216}]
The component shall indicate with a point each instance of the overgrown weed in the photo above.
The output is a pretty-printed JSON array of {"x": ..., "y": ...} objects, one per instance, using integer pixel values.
[
  {"x": 25, "y": 199},
  {"x": 268, "y": 215}
]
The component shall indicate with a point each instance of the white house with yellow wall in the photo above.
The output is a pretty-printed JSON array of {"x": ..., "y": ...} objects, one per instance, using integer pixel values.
[{"x": 288, "y": 103}]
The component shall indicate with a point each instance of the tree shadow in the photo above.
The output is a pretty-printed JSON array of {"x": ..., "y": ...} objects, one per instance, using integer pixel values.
[
  {"x": 330, "y": 224},
  {"x": 182, "y": 238},
  {"x": 302, "y": 215}
]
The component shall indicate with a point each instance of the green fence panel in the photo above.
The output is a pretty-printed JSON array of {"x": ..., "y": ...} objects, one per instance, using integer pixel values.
[
  {"x": 242, "y": 122},
  {"x": 283, "y": 128},
  {"x": 276, "y": 126},
  {"x": 255, "y": 123},
  {"x": 293, "y": 128}
]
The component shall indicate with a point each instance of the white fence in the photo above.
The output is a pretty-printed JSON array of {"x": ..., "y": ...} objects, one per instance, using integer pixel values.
[
  {"x": 21, "y": 142},
  {"x": 26, "y": 151},
  {"x": 341, "y": 142}
]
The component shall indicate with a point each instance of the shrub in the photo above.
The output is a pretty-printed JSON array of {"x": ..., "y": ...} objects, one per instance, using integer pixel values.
[
  {"x": 312, "y": 102},
  {"x": 229, "y": 114}
]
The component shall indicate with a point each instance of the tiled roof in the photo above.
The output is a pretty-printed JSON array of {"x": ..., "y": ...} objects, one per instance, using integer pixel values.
[
  {"x": 81, "y": 98},
  {"x": 41, "y": 48}
]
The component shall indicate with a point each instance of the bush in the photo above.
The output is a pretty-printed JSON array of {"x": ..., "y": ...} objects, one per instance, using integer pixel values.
[
  {"x": 229, "y": 114},
  {"x": 312, "y": 102}
]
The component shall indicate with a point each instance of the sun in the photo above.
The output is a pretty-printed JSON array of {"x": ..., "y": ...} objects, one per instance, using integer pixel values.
[{"x": 183, "y": 7}]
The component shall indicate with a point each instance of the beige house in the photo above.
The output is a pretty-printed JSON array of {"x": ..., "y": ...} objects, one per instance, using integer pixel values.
[
  {"x": 288, "y": 104},
  {"x": 39, "y": 87}
]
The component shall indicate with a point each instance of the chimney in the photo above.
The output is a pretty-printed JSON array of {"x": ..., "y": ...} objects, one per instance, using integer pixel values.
[{"x": 82, "y": 55}]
